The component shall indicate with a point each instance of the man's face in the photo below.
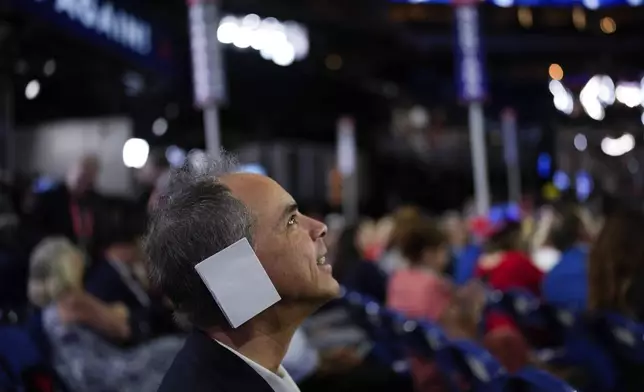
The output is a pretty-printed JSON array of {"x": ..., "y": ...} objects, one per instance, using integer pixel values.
[
  {"x": 289, "y": 245},
  {"x": 83, "y": 175}
]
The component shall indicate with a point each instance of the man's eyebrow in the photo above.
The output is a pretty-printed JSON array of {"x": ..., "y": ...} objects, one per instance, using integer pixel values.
[{"x": 288, "y": 211}]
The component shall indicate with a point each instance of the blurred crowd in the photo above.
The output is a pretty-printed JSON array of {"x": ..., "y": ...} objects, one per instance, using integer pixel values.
[{"x": 78, "y": 313}]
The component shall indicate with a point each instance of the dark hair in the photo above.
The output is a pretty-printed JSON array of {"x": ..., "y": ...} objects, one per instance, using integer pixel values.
[
  {"x": 419, "y": 237},
  {"x": 158, "y": 159},
  {"x": 197, "y": 216},
  {"x": 347, "y": 255},
  {"x": 504, "y": 239},
  {"x": 567, "y": 231},
  {"x": 616, "y": 263}
]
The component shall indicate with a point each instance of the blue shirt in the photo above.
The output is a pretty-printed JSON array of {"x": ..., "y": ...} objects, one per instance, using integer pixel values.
[
  {"x": 566, "y": 285},
  {"x": 465, "y": 263}
]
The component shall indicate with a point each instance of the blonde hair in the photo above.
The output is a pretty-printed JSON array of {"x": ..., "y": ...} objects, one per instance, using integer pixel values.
[{"x": 50, "y": 273}]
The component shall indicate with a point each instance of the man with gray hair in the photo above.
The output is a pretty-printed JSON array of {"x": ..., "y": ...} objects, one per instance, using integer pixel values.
[{"x": 206, "y": 209}]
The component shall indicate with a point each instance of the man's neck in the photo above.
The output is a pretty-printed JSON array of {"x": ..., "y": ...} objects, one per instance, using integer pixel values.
[{"x": 264, "y": 339}]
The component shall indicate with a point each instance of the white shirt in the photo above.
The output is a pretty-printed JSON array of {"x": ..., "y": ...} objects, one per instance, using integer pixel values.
[
  {"x": 280, "y": 382},
  {"x": 546, "y": 258}
]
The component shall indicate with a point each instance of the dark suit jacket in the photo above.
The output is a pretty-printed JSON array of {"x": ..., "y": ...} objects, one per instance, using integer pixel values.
[
  {"x": 203, "y": 365},
  {"x": 146, "y": 320},
  {"x": 49, "y": 215}
]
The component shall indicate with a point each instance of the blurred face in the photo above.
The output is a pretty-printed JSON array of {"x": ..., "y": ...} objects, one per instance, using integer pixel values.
[
  {"x": 456, "y": 231},
  {"x": 437, "y": 258},
  {"x": 82, "y": 176},
  {"x": 289, "y": 244},
  {"x": 72, "y": 270}
]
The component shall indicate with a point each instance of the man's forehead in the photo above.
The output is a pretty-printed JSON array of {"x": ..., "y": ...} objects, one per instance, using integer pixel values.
[{"x": 256, "y": 191}]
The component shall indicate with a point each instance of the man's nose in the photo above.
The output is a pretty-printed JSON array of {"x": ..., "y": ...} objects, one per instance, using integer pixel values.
[{"x": 317, "y": 229}]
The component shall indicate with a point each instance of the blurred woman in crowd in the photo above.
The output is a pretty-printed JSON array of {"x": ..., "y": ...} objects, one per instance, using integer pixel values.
[
  {"x": 503, "y": 266},
  {"x": 616, "y": 266},
  {"x": 392, "y": 259},
  {"x": 421, "y": 290},
  {"x": 616, "y": 278},
  {"x": 83, "y": 331}
]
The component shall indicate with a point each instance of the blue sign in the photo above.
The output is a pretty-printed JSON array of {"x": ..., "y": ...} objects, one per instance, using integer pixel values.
[
  {"x": 470, "y": 72},
  {"x": 104, "y": 22}
]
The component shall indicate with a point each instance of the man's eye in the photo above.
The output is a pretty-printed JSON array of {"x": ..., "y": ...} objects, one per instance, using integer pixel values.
[{"x": 292, "y": 221}]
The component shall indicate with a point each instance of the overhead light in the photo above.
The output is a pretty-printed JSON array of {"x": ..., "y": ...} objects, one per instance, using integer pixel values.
[
  {"x": 608, "y": 25},
  {"x": 49, "y": 68},
  {"x": 618, "y": 147},
  {"x": 135, "y": 153},
  {"x": 562, "y": 98},
  {"x": 629, "y": 94},
  {"x": 160, "y": 126},
  {"x": 591, "y": 4},
  {"x": 524, "y": 14},
  {"x": 504, "y": 3},
  {"x": 580, "y": 142},
  {"x": 32, "y": 90},
  {"x": 281, "y": 42},
  {"x": 579, "y": 18},
  {"x": 176, "y": 156},
  {"x": 556, "y": 72}
]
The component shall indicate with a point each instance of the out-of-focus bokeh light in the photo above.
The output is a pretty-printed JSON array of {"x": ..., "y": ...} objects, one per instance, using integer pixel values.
[
  {"x": 283, "y": 43},
  {"x": 629, "y": 94},
  {"x": 333, "y": 62},
  {"x": 562, "y": 98},
  {"x": 556, "y": 72},
  {"x": 160, "y": 126},
  {"x": 49, "y": 68},
  {"x": 524, "y": 14},
  {"x": 579, "y": 18},
  {"x": 561, "y": 180},
  {"x": 135, "y": 153},
  {"x": 32, "y": 90},
  {"x": 504, "y": 3},
  {"x": 176, "y": 156},
  {"x": 591, "y": 4},
  {"x": 608, "y": 25},
  {"x": 618, "y": 147},
  {"x": 581, "y": 143}
]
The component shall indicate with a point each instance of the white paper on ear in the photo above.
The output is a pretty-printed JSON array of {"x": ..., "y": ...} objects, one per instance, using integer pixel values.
[{"x": 238, "y": 282}]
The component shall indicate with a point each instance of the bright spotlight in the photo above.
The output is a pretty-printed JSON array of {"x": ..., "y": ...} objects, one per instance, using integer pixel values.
[
  {"x": 504, "y": 3},
  {"x": 284, "y": 54},
  {"x": 629, "y": 94},
  {"x": 591, "y": 4},
  {"x": 564, "y": 102},
  {"x": 589, "y": 99},
  {"x": 160, "y": 126},
  {"x": 581, "y": 143},
  {"x": 618, "y": 147},
  {"x": 227, "y": 30},
  {"x": 281, "y": 42},
  {"x": 32, "y": 90},
  {"x": 135, "y": 153}
]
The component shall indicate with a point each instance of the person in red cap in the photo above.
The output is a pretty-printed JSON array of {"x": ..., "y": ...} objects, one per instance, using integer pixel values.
[{"x": 504, "y": 266}]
